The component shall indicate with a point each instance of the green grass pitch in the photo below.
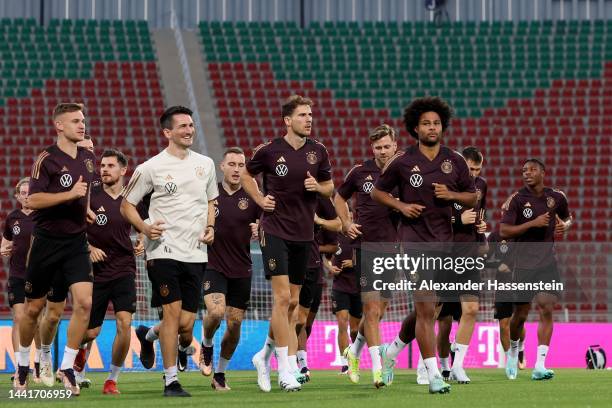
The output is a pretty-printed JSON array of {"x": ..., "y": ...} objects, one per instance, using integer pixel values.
[{"x": 489, "y": 388}]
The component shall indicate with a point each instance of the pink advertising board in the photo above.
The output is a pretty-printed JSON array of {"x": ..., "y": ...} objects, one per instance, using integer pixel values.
[{"x": 568, "y": 347}]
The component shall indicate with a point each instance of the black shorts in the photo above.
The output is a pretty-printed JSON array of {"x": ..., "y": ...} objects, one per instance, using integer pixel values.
[
  {"x": 347, "y": 301},
  {"x": 450, "y": 309},
  {"x": 15, "y": 291},
  {"x": 56, "y": 262},
  {"x": 172, "y": 280},
  {"x": 369, "y": 279},
  {"x": 503, "y": 310},
  {"x": 121, "y": 292},
  {"x": 284, "y": 257},
  {"x": 546, "y": 274},
  {"x": 310, "y": 295},
  {"x": 237, "y": 291}
]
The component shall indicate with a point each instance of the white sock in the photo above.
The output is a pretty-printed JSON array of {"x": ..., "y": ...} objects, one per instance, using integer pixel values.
[
  {"x": 283, "y": 359},
  {"x": 222, "y": 365},
  {"x": 17, "y": 358},
  {"x": 37, "y": 356},
  {"x": 293, "y": 363},
  {"x": 171, "y": 374},
  {"x": 521, "y": 345},
  {"x": 358, "y": 344},
  {"x": 432, "y": 368},
  {"x": 542, "y": 352},
  {"x": 268, "y": 349},
  {"x": 420, "y": 364},
  {"x": 207, "y": 342},
  {"x": 460, "y": 352},
  {"x": 514, "y": 348},
  {"x": 24, "y": 356},
  {"x": 302, "y": 358},
  {"x": 395, "y": 348},
  {"x": 343, "y": 361},
  {"x": 375, "y": 357},
  {"x": 114, "y": 373},
  {"x": 444, "y": 364},
  {"x": 45, "y": 352},
  {"x": 151, "y": 335},
  {"x": 68, "y": 358}
]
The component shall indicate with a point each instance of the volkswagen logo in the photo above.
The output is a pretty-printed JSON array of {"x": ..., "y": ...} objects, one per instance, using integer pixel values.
[
  {"x": 368, "y": 187},
  {"x": 527, "y": 213},
  {"x": 170, "y": 188},
  {"x": 281, "y": 170},
  {"x": 66, "y": 180},
  {"x": 416, "y": 180},
  {"x": 101, "y": 219}
]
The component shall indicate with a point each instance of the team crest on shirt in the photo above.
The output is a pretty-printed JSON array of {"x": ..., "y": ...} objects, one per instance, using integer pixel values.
[
  {"x": 199, "y": 171},
  {"x": 503, "y": 247},
  {"x": 101, "y": 219},
  {"x": 50, "y": 293},
  {"x": 416, "y": 180},
  {"x": 66, "y": 180},
  {"x": 367, "y": 187},
  {"x": 89, "y": 165},
  {"x": 243, "y": 203},
  {"x": 272, "y": 264},
  {"x": 527, "y": 212},
  {"x": 16, "y": 228},
  {"x": 311, "y": 157},
  {"x": 414, "y": 276},
  {"x": 164, "y": 291},
  {"x": 206, "y": 285},
  {"x": 281, "y": 170},
  {"x": 478, "y": 195},
  {"x": 28, "y": 287},
  {"x": 550, "y": 202},
  {"x": 446, "y": 167},
  {"x": 11, "y": 297},
  {"x": 458, "y": 207},
  {"x": 363, "y": 281}
]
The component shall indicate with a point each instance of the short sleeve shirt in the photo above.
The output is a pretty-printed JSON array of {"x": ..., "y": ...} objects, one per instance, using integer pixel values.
[
  {"x": 230, "y": 252},
  {"x": 181, "y": 189},
  {"x": 414, "y": 175},
  {"x": 284, "y": 170},
  {"x": 56, "y": 172},
  {"x": 111, "y": 233},
  {"x": 347, "y": 280},
  {"x": 524, "y": 206},
  {"x": 378, "y": 222},
  {"x": 18, "y": 229}
]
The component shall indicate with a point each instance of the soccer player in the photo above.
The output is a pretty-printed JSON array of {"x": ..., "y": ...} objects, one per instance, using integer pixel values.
[
  {"x": 88, "y": 144},
  {"x": 59, "y": 194},
  {"x": 227, "y": 280},
  {"x": 181, "y": 225},
  {"x": 295, "y": 169},
  {"x": 346, "y": 301},
  {"x": 468, "y": 230},
  {"x": 531, "y": 217},
  {"x": 327, "y": 225},
  {"x": 373, "y": 223},
  {"x": 114, "y": 265},
  {"x": 499, "y": 257},
  {"x": 18, "y": 228},
  {"x": 430, "y": 178}
]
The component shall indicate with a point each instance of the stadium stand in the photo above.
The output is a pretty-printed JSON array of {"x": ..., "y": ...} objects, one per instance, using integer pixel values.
[
  {"x": 110, "y": 66},
  {"x": 520, "y": 89}
]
